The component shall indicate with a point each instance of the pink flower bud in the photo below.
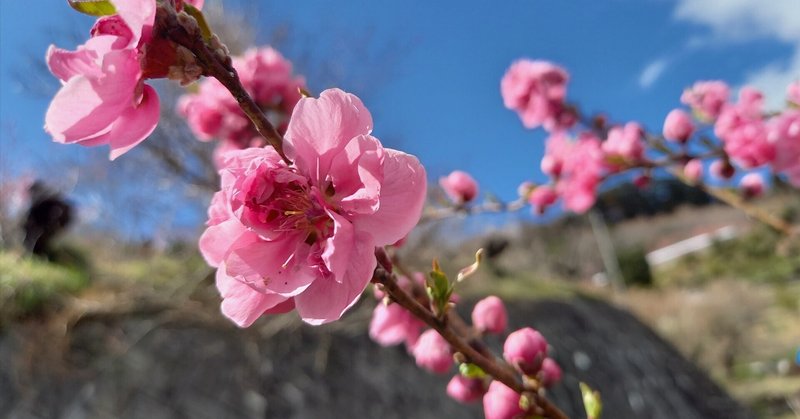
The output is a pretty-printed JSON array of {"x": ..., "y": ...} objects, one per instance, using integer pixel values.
[
  {"x": 693, "y": 170},
  {"x": 707, "y": 98},
  {"x": 489, "y": 315},
  {"x": 464, "y": 389},
  {"x": 501, "y": 402},
  {"x": 551, "y": 372},
  {"x": 459, "y": 186},
  {"x": 525, "y": 349},
  {"x": 722, "y": 169},
  {"x": 432, "y": 352},
  {"x": 678, "y": 126},
  {"x": 392, "y": 324},
  {"x": 752, "y": 185},
  {"x": 542, "y": 197}
]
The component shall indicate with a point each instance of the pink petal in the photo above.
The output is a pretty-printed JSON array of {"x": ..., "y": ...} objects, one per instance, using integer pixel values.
[
  {"x": 139, "y": 15},
  {"x": 263, "y": 265},
  {"x": 218, "y": 239},
  {"x": 402, "y": 198},
  {"x": 65, "y": 64},
  {"x": 339, "y": 246},
  {"x": 243, "y": 304},
  {"x": 86, "y": 107},
  {"x": 320, "y": 128},
  {"x": 135, "y": 124},
  {"x": 356, "y": 173},
  {"x": 326, "y": 300}
]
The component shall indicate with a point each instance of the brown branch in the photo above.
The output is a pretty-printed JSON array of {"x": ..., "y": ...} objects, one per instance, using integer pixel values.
[
  {"x": 220, "y": 67},
  {"x": 487, "y": 363}
]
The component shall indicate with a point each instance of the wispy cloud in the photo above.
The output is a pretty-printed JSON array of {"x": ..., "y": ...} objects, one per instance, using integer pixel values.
[
  {"x": 652, "y": 72},
  {"x": 745, "y": 20}
]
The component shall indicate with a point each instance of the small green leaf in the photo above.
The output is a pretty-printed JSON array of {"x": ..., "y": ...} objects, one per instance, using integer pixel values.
[
  {"x": 471, "y": 371},
  {"x": 94, "y": 7},
  {"x": 591, "y": 402},
  {"x": 194, "y": 12}
]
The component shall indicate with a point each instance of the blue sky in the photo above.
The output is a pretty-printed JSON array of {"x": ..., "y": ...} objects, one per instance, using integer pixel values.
[{"x": 629, "y": 58}]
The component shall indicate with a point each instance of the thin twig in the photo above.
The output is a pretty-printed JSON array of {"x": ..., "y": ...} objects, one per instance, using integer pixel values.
[{"x": 486, "y": 363}]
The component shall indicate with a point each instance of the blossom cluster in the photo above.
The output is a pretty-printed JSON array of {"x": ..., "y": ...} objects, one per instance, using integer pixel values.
[
  {"x": 304, "y": 235},
  {"x": 579, "y": 158},
  {"x": 213, "y": 113},
  {"x": 526, "y": 350}
]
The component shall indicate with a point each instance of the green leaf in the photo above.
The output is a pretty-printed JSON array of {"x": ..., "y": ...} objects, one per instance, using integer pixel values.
[
  {"x": 194, "y": 12},
  {"x": 94, "y": 7},
  {"x": 591, "y": 402},
  {"x": 471, "y": 371}
]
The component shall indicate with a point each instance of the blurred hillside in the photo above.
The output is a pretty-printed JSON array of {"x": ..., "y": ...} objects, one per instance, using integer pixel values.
[{"x": 133, "y": 330}]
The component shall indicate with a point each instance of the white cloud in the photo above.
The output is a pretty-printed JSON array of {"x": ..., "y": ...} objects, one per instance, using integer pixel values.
[
  {"x": 652, "y": 72},
  {"x": 745, "y": 20}
]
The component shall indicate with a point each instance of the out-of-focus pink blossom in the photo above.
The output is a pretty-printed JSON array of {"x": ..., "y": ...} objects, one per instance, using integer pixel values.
[
  {"x": 489, "y": 315},
  {"x": 392, "y": 324},
  {"x": 525, "y": 188},
  {"x": 304, "y": 236},
  {"x": 625, "y": 143},
  {"x": 752, "y": 185},
  {"x": 784, "y": 134},
  {"x": 465, "y": 390},
  {"x": 213, "y": 113},
  {"x": 103, "y": 99},
  {"x": 542, "y": 197},
  {"x": 525, "y": 349},
  {"x": 706, "y": 98},
  {"x": 722, "y": 169},
  {"x": 459, "y": 186},
  {"x": 581, "y": 174},
  {"x": 793, "y": 93},
  {"x": 557, "y": 149},
  {"x": 678, "y": 126},
  {"x": 536, "y": 91},
  {"x": 501, "y": 402},
  {"x": 693, "y": 170},
  {"x": 432, "y": 352},
  {"x": 743, "y": 130}
]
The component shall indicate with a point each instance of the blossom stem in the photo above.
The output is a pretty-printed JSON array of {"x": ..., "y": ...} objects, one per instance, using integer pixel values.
[
  {"x": 487, "y": 363},
  {"x": 221, "y": 68}
]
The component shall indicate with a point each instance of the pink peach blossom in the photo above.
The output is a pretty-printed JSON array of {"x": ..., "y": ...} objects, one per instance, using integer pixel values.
[
  {"x": 551, "y": 372},
  {"x": 501, "y": 402},
  {"x": 489, "y": 315},
  {"x": 536, "y": 91},
  {"x": 459, "y": 186},
  {"x": 625, "y": 143},
  {"x": 392, "y": 324},
  {"x": 743, "y": 130},
  {"x": 581, "y": 174},
  {"x": 303, "y": 236},
  {"x": 752, "y": 185},
  {"x": 432, "y": 352},
  {"x": 213, "y": 113},
  {"x": 525, "y": 349},
  {"x": 706, "y": 98},
  {"x": 103, "y": 100},
  {"x": 693, "y": 170},
  {"x": 678, "y": 126},
  {"x": 542, "y": 197},
  {"x": 784, "y": 134},
  {"x": 465, "y": 390}
]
